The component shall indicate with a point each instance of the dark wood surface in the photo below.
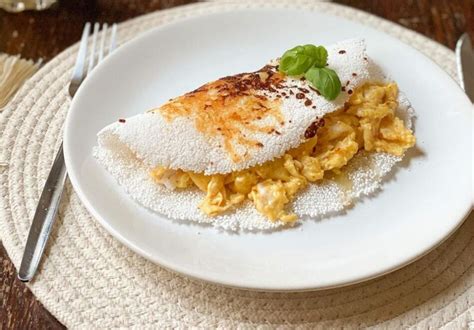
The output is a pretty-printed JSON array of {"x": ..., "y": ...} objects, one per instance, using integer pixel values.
[{"x": 45, "y": 34}]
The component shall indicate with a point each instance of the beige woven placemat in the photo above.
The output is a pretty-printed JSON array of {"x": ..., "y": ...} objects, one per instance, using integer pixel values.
[{"x": 88, "y": 279}]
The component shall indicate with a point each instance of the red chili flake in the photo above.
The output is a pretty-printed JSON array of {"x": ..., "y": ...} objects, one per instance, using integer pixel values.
[
  {"x": 349, "y": 91},
  {"x": 283, "y": 93},
  {"x": 259, "y": 144},
  {"x": 308, "y": 102},
  {"x": 300, "y": 96},
  {"x": 304, "y": 90},
  {"x": 313, "y": 128},
  {"x": 219, "y": 129},
  {"x": 258, "y": 117},
  {"x": 122, "y": 120},
  {"x": 342, "y": 51},
  {"x": 343, "y": 88},
  {"x": 277, "y": 132},
  {"x": 354, "y": 74},
  {"x": 241, "y": 84}
]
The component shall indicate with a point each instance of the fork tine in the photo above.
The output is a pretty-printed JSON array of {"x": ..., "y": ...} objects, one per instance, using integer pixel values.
[
  {"x": 92, "y": 52},
  {"x": 102, "y": 42},
  {"x": 113, "y": 36},
  {"x": 78, "y": 70}
]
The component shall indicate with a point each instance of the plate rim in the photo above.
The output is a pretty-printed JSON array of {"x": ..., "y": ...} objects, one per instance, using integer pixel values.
[{"x": 202, "y": 277}]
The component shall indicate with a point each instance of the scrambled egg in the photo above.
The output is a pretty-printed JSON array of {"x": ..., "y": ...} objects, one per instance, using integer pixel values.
[{"x": 367, "y": 122}]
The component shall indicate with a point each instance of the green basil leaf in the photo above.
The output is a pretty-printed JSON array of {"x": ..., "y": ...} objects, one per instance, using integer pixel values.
[
  {"x": 319, "y": 55},
  {"x": 311, "y": 60},
  {"x": 295, "y": 61},
  {"x": 299, "y": 59},
  {"x": 325, "y": 80}
]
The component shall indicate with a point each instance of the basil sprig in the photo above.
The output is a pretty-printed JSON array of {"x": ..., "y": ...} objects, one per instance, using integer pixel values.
[
  {"x": 311, "y": 61},
  {"x": 325, "y": 81},
  {"x": 299, "y": 59}
]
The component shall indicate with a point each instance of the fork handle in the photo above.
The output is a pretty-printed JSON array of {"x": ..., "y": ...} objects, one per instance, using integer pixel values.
[{"x": 44, "y": 218}]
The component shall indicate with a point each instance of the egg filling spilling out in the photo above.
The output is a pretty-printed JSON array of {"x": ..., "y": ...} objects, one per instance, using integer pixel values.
[{"x": 367, "y": 122}]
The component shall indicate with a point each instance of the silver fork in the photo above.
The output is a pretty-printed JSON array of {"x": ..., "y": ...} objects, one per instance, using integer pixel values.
[{"x": 48, "y": 204}]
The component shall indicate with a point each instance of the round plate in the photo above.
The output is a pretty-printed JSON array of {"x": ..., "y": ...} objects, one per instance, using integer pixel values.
[{"x": 421, "y": 204}]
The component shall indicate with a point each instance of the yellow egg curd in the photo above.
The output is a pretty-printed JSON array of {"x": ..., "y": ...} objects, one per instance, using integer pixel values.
[{"x": 367, "y": 122}]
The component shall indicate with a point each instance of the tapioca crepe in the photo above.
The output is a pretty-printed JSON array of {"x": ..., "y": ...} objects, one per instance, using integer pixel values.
[{"x": 302, "y": 137}]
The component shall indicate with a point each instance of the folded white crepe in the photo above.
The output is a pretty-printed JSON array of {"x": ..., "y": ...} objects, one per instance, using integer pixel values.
[{"x": 129, "y": 149}]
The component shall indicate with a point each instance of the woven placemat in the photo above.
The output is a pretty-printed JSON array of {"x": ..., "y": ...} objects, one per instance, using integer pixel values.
[{"x": 88, "y": 279}]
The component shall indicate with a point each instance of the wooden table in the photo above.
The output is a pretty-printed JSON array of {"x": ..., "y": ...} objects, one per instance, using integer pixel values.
[{"x": 45, "y": 34}]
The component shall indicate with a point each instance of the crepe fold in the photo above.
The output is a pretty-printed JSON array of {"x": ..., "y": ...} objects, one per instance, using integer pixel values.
[{"x": 188, "y": 140}]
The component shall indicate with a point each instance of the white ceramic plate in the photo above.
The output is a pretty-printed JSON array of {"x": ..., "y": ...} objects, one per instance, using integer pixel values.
[{"x": 418, "y": 208}]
